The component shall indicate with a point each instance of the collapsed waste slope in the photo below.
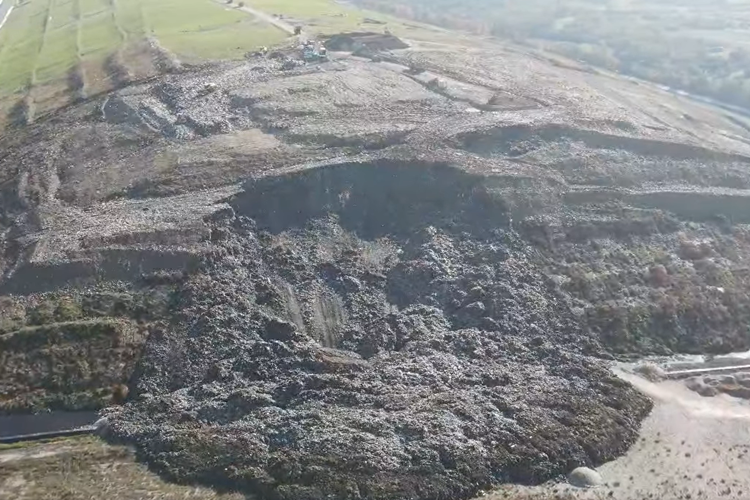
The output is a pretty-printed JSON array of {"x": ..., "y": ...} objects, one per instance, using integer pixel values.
[{"x": 357, "y": 342}]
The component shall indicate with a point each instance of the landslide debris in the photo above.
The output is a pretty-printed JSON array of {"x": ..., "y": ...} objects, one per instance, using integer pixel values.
[
  {"x": 390, "y": 278},
  {"x": 376, "y": 331}
]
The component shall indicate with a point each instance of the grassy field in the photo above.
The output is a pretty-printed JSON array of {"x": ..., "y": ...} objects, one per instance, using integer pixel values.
[
  {"x": 322, "y": 16},
  {"x": 328, "y": 16},
  {"x": 44, "y": 39}
]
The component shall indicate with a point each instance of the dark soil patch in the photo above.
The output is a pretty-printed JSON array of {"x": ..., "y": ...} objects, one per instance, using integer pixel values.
[
  {"x": 21, "y": 113},
  {"x": 350, "y": 42},
  {"x": 164, "y": 61},
  {"x": 77, "y": 83},
  {"x": 117, "y": 70}
]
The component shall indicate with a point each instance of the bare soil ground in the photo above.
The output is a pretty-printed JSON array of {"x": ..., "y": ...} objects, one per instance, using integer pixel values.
[{"x": 84, "y": 468}]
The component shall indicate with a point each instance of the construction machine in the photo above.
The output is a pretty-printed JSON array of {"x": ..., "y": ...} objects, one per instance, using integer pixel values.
[{"x": 310, "y": 53}]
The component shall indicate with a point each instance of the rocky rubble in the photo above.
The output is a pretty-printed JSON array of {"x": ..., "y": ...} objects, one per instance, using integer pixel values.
[{"x": 424, "y": 361}]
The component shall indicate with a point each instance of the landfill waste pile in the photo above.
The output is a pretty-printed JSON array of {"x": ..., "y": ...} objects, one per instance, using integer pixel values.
[{"x": 341, "y": 280}]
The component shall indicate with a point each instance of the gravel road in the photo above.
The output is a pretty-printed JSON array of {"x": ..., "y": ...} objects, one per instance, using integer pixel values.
[{"x": 279, "y": 23}]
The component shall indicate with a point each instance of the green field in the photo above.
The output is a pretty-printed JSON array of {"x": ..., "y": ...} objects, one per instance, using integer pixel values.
[
  {"x": 327, "y": 17},
  {"x": 43, "y": 39},
  {"x": 323, "y": 16}
]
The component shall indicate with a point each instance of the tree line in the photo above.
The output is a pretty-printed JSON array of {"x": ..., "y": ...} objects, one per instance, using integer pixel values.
[{"x": 703, "y": 50}]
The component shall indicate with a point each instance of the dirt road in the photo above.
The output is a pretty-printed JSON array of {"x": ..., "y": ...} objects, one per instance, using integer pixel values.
[
  {"x": 279, "y": 23},
  {"x": 6, "y": 7}
]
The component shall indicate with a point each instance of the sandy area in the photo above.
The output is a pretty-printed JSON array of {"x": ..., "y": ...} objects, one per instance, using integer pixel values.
[
  {"x": 84, "y": 468},
  {"x": 691, "y": 447}
]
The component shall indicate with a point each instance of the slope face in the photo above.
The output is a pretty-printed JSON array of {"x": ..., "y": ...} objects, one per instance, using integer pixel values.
[
  {"x": 351, "y": 352},
  {"x": 390, "y": 278}
]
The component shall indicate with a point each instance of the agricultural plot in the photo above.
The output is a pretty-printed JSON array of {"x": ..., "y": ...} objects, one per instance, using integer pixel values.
[
  {"x": 55, "y": 51},
  {"x": 208, "y": 30}
]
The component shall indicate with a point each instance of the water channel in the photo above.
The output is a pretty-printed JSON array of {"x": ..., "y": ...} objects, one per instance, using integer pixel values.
[{"x": 19, "y": 425}]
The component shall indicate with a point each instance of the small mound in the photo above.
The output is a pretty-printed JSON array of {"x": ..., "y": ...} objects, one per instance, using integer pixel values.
[
  {"x": 700, "y": 386},
  {"x": 376, "y": 42},
  {"x": 583, "y": 477},
  {"x": 737, "y": 385},
  {"x": 651, "y": 372}
]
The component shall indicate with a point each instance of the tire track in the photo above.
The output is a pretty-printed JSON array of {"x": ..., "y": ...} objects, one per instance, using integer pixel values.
[
  {"x": 162, "y": 59},
  {"x": 115, "y": 65},
  {"x": 264, "y": 16},
  {"x": 77, "y": 75},
  {"x": 48, "y": 181},
  {"x": 118, "y": 26},
  {"x": 28, "y": 106},
  {"x": 79, "y": 21},
  {"x": 45, "y": 33},
  {"x": 5, "y": 11},
  {"x": 4, "y": 16}
]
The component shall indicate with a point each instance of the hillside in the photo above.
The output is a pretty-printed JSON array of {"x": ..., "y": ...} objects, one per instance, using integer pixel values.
[
  {"x": 395, "y": 273},
  {"x": 699, "y": 46}
]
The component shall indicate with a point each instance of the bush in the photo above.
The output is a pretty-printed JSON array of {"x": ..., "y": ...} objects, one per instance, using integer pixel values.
[
  {"x": 120, "y": 393},
  {"x": 68, "y": 310},
  {"x": 42, "y": 314}
]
